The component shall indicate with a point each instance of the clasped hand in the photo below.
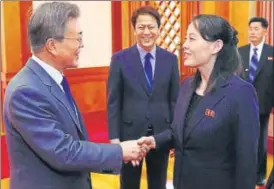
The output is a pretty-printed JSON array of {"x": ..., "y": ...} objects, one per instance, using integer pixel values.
[{"x": 136, "y": 150}]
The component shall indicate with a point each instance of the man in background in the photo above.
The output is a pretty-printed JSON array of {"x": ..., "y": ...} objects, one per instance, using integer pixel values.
[
  {"x": 259, "y": 70},
  {"x": 47, "y": 141},
  {"x": 142, "y": 89}
]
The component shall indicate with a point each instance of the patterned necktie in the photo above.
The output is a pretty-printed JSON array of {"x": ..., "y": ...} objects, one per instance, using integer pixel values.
[
  {"x": 66, "y": 88},
  {"x": 148, "y": 70},
  {"x": 253, "y": 65}
]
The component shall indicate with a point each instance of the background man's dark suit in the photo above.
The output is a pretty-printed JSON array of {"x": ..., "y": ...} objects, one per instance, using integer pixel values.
[
  {"x": 264, "y": 85},
  {"x": 132, "y": 108}
]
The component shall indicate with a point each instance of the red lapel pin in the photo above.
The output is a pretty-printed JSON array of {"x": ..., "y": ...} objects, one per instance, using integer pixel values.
[{"x": 210, "y": 113}]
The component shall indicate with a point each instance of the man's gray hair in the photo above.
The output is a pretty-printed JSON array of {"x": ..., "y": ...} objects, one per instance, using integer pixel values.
[{"x": 49, "y": 21}]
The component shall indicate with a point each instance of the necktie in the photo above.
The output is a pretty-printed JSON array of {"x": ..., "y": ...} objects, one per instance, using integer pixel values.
[
  {"x": 66, "y": 88},
  {"x": 148, "y": 70},
  {"x": 253, "y": 65}
]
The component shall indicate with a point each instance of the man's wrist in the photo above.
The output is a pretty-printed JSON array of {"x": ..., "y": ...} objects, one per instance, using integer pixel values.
[
  {"x": 115, "y": 141},
  {"x": 153, "y": 142}
]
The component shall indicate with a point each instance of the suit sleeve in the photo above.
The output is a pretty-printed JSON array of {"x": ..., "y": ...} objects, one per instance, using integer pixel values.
[
  {"x": 114, "y": 99},
  {"x": 36, "y": 119},
  {"x": 174, "y": 86},
  {"x": 164, "y": 140},
  {"x": 246, "y": 133}
]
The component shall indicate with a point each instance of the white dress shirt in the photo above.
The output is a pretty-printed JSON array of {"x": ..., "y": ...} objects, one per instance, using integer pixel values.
[
  {"x": 55, "y": 74},
  {"x": 259, "y": 51},
  {"x": 143, "y": 54}
]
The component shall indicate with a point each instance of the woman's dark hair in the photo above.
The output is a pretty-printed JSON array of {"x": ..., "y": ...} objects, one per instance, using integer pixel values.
[
  {"x": 228, "y": 61},
  {"x": 146, "y": 10}
]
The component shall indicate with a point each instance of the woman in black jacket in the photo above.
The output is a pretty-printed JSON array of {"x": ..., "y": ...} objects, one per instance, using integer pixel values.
[{"x": 216, "y": 120}]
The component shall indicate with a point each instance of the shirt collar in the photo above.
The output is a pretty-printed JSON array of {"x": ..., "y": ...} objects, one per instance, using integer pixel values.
[
  {"x": 56, "y": 75},
  {"x": 259, "y": 47},
  {"x": 143, "y": 52}
]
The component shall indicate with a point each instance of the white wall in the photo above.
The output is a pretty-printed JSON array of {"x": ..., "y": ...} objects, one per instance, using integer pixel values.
[{"x": 95, "y": 21}]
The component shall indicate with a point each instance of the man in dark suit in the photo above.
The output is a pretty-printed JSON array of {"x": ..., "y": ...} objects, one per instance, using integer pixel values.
[
  {"x": 259, "y": 70},
  {"x": 47, "y": 141},
  {"x": 142, "y": 89}
]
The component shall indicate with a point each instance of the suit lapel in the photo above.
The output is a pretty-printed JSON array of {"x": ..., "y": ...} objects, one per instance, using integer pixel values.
[
  {"x": 208, "y": 102},
  {"x": 81, "y": 121},
  {"x": 181, "y": 109},
  {"x": 159, "y": 68},
  {"x": 54, "y": 88},
  {"x": 262, "y": 61},
  {"x": 136, "y": 63},
  {"x": 59, "y": 95}
]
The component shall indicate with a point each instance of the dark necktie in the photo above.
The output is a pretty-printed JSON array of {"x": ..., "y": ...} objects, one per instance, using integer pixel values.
[
  {"x": 148, "y": 70},
  {"x": 66, "y": 89},
  {"x": 253, "y": 65}
]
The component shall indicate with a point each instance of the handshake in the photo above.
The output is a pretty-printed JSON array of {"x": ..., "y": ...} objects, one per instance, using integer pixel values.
[{"x": 136, "y": 150}]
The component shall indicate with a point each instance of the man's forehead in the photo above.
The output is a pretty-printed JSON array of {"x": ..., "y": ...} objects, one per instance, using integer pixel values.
[
  {"x": 255, "y": 24},
  {"x": 73, "y": 26},
  {"x": 145, "y": 18}
]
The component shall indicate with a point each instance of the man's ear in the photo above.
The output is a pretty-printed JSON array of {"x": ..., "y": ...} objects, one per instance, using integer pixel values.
[
  {"x": 265, "y": 32},
  {"x": 50, "y": 46}
]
